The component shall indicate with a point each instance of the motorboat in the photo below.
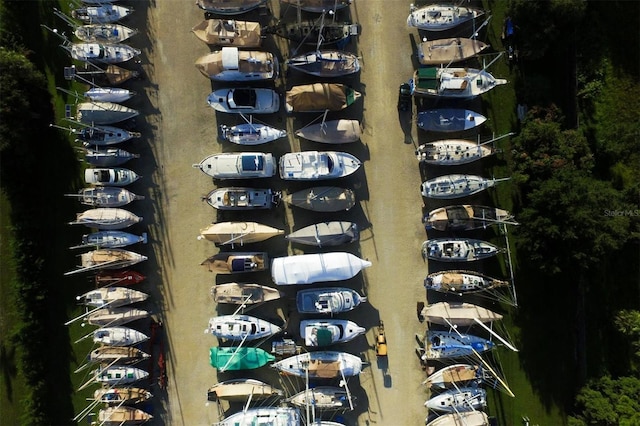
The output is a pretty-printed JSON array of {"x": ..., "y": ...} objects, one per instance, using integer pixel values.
[
  {"x": 113, "y": 176},
  {"x": 107, "y": 317},
  {"x": 237, "y": 262},
  {"x": 104, "y": 33},
  {"x": 311, "y": 32},
  {"x": 440, "y": 17},
  {"x": 101, "y": 53},
  {"x": 103, "y": 135},
  {"x": 329, "y": 300},
  {"x": 121, "y": 395},
  {"x": 105, "y": 196},
  {"x": 103, "y": 113},
  {"x": 449, "y": 50},
  {"x": 453, "y": 376},
  {"x": 317, "y": 267},
  {"x": 122, "y": 416},
  {"x": 238, "y": 165},
  {"x": 453, "y": 83},
  {"x": 250, "y": 133},
  {"x": 106, "y": 218},
  {"x": 119, "y": 375},
  {"x": 326, "y": 234},
  {"x": 320, "y": 365},
  {"x": 458, "y": 249},
  {"x": 459, "y": 400},
  {"x": 319, "y": 97},
  {"x": 120, "y": 354},
  {"x": 460, "y": 314},
  {"x": 326, "y": 63},
  {"x": 317, "y": 165},
  {"x": 317, "y": 6},
  {"x": 105, "y": 13},
  {"x": 227, "y": 32},
  {"x": 238, "y": 358},
  {"x": 118, "y": 336},
  {"x": 323, "y": 199},
  {"x": 451, "y": 344},
  {"x": 470, "y": 418},
  {"x": 240, "y": 233},
  {"x": 326, "y": 332},
  {"x": 448, "y": 187},
  {"x": 243, "y": 293},
  {"x": 120, "y": 277},
  {"x": 462, "y": 282},
  {"x": 466, "y": 217},
  {"x": 449, "y": 120},
  {"x": 244, "y": 100},
  {"x": 452, "y": 152},
  {"x": 332, "y": 132},
  {"x": 241, "y": 327},
  {"x": 268, "y": 416},
  {"x": 107, "y": 259},
  {"x": 111, "y": 239},
  {"x": 229, "y": 7},
  {"x": 112, "y": 297},
  {"x": 323, "y": 398},
  {"x": 109, "y": 94},
  {"x": 231, "y": 64},
  {"x": 242, "y": 198},
  {"x": 239, "y": 390},
  {"x": 108, "y": 156}
]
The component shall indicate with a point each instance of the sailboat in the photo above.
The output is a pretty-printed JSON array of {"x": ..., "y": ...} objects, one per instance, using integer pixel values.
[
  {"x": 326, "y": 63},
  {"x": 449, "y": 120},
  {"x": 106, "y": 218},
  {"x": 103, "y": 113},
  {"x": 323, "y": 199},
  {"x": 241, "y": 389},
  {"x": 449, "y": 50},
  {"x": 241, "y": 327},
  {"x": 447, "y": 344},
  {"x": 454, "y": 374},
  {"x": 111, "y": 239},
  {"x": 322, "y": 398},
  {"x": 326, "y": 234},
  {"x": 231, "y": 64},
  {"x": 458, "y": 249},
  {"x": 105, "y": 196},
  {"x": 268, "y": 416},
  {"x": 238, "y": 232},
  {"x": 237, "y": 262},
  {"x": 466, "y": 217},
  {"x": 460, "y": 314},
  {"x": 112, "y": 297},
  {"x": 229, "y": 7},
  {"x": 238, "y": 358},
  {"x": 471, "y": 418},
  {"x": 321, "y": 365},
  {"x": 122, "y": 395},
  {"x": 243, "y": 293},
  {"x": 107, "y": 157},
  {"x": 319, "y": 97},
  {"x": 458, "y": 400},
  {"x": 332, "y": 131},
  {"x": 462, "y": 282},
  {"x": 226, "y": 32},
  {"x": 453, "y": 82},
  {"x": 448, "y": 187}
]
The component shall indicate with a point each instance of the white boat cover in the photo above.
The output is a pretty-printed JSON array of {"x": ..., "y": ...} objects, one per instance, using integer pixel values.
[{"x": 311, "y": 268}]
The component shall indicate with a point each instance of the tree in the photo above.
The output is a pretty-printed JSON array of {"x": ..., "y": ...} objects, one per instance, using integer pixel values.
[{"x": 608, "y": 401}]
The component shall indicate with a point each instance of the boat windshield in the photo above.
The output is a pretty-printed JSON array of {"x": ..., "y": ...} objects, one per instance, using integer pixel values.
[{"x": 252, "y": 163}]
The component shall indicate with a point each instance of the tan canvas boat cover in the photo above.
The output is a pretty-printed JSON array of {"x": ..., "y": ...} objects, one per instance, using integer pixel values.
[{"x": 318, "y": 97}]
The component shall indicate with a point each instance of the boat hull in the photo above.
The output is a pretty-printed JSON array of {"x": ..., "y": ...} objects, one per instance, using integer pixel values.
[
  {"x": 449, "y": 50},
  {"x": 234, "y": 359},
  {"x": 106, "y": 218},
  {"x": 458, "y": 249},
  {"x": 230, "y": 233},
  {"x": 449, "y": 120},
  {"x": 229, "y": 7},
  {"x": 239, "y": 390},
  {"x": 231, "y": 64},
  {"x": 322, "y": 398},
  {"x": 323, "y": 199},
  {"x": 112, "y": 239},
  {"x": 231, "y": 165},
  {"x": 223, "y": 32},
  {"x": 237, "y": 262},
  {"x": 319, "y": 97},
  {"x": 312, "y": 268},
  {"x": 441, "y": 17},
  {"x": 461, "y": 314},
  {"x": 446, "y": 345},
  {"x": 118, "y": 375},
  {"x": 108, "y": 157},
  {"x": 107, "y": 196},
  {"x": 453, "y": 374},
  {"x": 251, "y": 134},
  {"x": 104, "y": 113},
  {"x": 321, "y": 365},
  {"x": 118, "y": 336},
  {"x": 452, "y": 152},
  {"x": 112, "y": 297},
  {"x": 115, "y": 316},
  {"x": 326, "y": 234},
  {"x": 461, "y": 282},
  {"x": 123, "y": 354},
  {"x": 332, "y": 132},
  {"x": 465, "y": 218},
  {"x": 244, "y": 100},
  {"x": 326, "y": 63},
  {"x": 104, "y": 33},
  {"x": 243, "y": 294},
  {"x": 450, "y": 187},
  {"x": 241, "y": 327},
  {"x": 464, "y": 399}
]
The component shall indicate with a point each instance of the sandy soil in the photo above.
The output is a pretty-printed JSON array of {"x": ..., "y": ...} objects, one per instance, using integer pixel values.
[{"x": 181, "y": 130}]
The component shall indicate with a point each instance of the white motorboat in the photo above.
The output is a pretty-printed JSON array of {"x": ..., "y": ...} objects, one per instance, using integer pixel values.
[
  {"x": 104, "y": 33},
  {"x": 241, "y": 198},
  {"x": 315, "y": 165},
  {"x": 111, "y": 239},
  {"x": 268, "y": 416},
  {"x": 461, "y": 314},
  {"x": 109, "y": 94},
  {"x": 112, "y": 297},
  {"x": 332, "y": 132},
  {"x": 105, "y": 196},
  {"x": 319, "y": 97},
  {"x": 101, "y": 53},
  {"x": 244, "y": 100},
  {"x": 109, "y": 316},
  {"x": 241, "y": 327},
  {"x": 452, "y": 152},
  {"x": 458, "y": 249},
  {"x": 105, "y": 13},
  {"x": 321, "y": 365},
  {"x": 449, "y": 50},
  {"x": 238, "y": 165},
  {"x": 329, "y": 300},
  {"x": 323, "y": 199},
  {"x": 452, "y": 83},
  {"x": 227, "y": 32},
  {"x": 118, "y": 336},
  {"x": 458, "y": 400},
  {"x": 251, "y": 133},
  {"x": 326, "y": 234},
  {"x": 318, "y": 267},
  {"x": 326, "y": 63},
  {"x": 231, "y": 64},
  {"x": 449, "y": 120},
  {"x": 107, "y": 156},
  {"x": 448, "y": 187},
  {"x": 103, "y": 113},
  {"x": 106, "y": 218},
  {"x": 440, "y": 17},
  {"x": 243, "y": 293},
  {"x": 229, "y": 7},
  {"x": 326, "y": 332},
  {"x": 239, "y": 390},
  {"x": 237, "y": 262},
  {"x": 461, "y": 282},
  {"x": 113, "y": 176},
  {"x": 238, "y": 232}
]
